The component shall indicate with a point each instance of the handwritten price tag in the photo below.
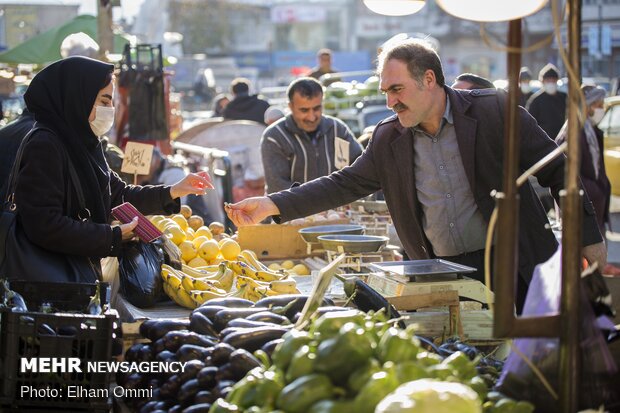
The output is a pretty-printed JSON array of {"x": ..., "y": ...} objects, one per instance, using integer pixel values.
[{"x": 137, "y": 158}]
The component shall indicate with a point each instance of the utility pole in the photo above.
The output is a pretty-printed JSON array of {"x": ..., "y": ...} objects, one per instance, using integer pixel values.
[{"x": 105, "y": 36}]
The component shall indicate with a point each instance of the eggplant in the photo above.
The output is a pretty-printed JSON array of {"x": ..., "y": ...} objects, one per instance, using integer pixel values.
[
  {"x": 189, "y": 352},
  {"x": 191, "y": 370},
  {"x": 198, "y": 408},
  {"x": 367, "y": 299},
  {"x": 156, "y": 329},
  {"x": 68, "y": 331},
  {"x": 171, "y": 387},
  {"x": 201, "y": 324},
  {"x": 270, "y": 346},
  {"x": 245, "y": 323},
  {"x": 222, "y": 388},
  {"x": 269, "y": 317},
  {"x": 229, "y": 302},
  {"x": 241, "y": 362},
  {"x": 226, "y": 372},
  {"x": 254, "y": 338},
  {"x": 220, "y": 354},
  {"x": 279, "y": 300},
  {"x": 45, "y": 330},
  {"x": 177, "y": 408},
  {"x": 149, "y": 407},
  {"x": 224, "y": 316},
  {"x": 206, "y": 377},
  {"x": 187, "y": 392},
  {"x": 209, "y": 311},
  {"x": 173, "y": 340},
  {"x": 146, "y": 353},
  {"x": 164, "y": 404},
  {"x": 164, "y": 355},
  {"x": 159, "y": 345},
  {"x": 134, "y": 381},
  {"x": 204, "y": 396}
]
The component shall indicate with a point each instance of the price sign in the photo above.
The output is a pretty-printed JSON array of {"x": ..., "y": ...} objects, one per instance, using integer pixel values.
[
  {"x": 137, "y": 158},
  {"x": 341, "y": 153}
]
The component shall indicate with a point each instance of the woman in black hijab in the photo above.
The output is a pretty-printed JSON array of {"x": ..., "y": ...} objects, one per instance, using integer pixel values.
[{"x": 73, "y": 100}]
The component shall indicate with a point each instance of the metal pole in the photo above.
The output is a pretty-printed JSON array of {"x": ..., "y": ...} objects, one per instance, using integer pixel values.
[
  {"x": 569, "y": 370},
  {"x": 105, "y": 36}
]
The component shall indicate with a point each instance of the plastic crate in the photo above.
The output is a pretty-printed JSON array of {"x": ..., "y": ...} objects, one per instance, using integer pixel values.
[
  {"x": 72, "y": 297},
  {"x": 28, "y": 335}
]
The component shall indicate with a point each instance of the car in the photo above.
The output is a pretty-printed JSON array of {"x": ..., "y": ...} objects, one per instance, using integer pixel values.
[{"x": 610, "y": 125}]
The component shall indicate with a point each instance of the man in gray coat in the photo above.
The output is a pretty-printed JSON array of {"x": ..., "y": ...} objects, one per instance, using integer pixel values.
[
  {"x": 305, "y": 144},
  {"x": 437, "y": 162}
]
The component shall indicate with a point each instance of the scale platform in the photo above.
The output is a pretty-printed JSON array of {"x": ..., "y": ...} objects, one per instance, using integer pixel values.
[{"x": 399, "y": 278}]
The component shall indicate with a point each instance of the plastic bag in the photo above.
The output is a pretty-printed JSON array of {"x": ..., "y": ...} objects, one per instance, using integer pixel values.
[
  {"x": 597, "y": 365},
  {"x": 139, "y": 273}
]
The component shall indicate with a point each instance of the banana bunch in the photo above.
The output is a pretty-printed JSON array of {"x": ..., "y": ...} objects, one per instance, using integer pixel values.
[
  {"x": 258, "y": 281},
  {"x": 190, "y": 287}
]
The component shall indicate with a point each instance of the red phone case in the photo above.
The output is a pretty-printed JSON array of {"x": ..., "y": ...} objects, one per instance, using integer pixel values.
[{"x": 145, "y": 230}]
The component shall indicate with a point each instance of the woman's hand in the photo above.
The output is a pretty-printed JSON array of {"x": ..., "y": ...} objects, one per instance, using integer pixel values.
[
  {"x": 127, "y": 229},
  {"x": 195, "y": 183}
]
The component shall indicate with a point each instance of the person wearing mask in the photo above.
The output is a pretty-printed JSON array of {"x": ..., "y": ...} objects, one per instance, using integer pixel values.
[
  {"x": 305, "y": 144},
  {"x": 548, "y": 105},
  {"x": 244, "y": 106},
  {"x": 469, "y": 81},
  {"x": 525, "y": 77},
  {"x": 592, "y": 165},
  {"x": 438, "y": 161},
  {"x": 72, "y": 103}
]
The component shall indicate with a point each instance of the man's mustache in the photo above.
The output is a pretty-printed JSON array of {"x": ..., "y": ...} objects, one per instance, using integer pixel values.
[{"x": 398, "y": 107}]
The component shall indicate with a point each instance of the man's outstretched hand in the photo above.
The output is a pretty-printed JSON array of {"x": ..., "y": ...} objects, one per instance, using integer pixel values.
[{"x": 251, "y": 210}]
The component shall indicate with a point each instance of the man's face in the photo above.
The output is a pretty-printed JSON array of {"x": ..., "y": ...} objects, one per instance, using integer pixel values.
[
  {"x": 306, "y": 111},
  {"x": 404, "y": 95},
  {"x": 325, "y": 62}
]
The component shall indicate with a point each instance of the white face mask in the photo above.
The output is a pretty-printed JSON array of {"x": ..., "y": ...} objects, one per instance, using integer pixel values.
[
  {"x": 525, "y": 87},
  {"x": 104, "y": 118},
  {"x": 597, "y": 116},
  {"x": 551, "y": 88}
]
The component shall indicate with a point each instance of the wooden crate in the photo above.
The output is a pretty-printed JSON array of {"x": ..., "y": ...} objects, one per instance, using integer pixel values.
[{"x": 272, "y": 241}]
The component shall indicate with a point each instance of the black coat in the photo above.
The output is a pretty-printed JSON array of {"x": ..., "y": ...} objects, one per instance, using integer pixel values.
[
  {"x": 10, "y": 138},
  {"x": 246, "y": 108},
  {"x": 388, "y": 164},
  {"x": 548, "y": 110}
]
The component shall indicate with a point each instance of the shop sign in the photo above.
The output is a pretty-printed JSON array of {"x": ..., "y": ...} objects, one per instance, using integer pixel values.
[{"x": 298, "y": 14}]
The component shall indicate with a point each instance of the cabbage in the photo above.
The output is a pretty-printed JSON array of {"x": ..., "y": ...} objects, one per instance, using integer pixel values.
[{"x": 430, "y": 396}]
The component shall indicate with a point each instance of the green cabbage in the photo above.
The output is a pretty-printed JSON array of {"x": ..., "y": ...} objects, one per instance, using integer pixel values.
[{"x": 430, "y": 396}]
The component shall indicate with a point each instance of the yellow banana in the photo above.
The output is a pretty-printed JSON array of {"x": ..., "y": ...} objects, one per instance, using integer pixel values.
[
  {"x": 200, "y": 297},
  {"x": 173, "y": 280},
  {"x": 269, "y": 276},
  {"x": 191, "y": 283},
  {"x": 241, "y": 268},
  {"x": 180, "y": 296},
  {"x": 199, "y": 273},
  {"x": 227, "y": 279},
  {"x": 284, "y": 286},
  {"x": 253, "y": 261}
]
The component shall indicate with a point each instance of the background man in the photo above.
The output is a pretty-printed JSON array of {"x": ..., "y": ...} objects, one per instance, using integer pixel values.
[
  {"x": 244, "y": 106},
  {"x": 548, "y": 105},
  {"x": 469, "y": 81},
  {"x": 305, "y": 144},
  {"x": 437, "y": 162},
  {"x": 525, "y": 77},
  {"x": 324, "y": 59}
]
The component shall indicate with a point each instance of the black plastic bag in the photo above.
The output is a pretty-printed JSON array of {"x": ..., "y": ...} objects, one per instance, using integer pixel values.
[{"x": 140, "y": 273}]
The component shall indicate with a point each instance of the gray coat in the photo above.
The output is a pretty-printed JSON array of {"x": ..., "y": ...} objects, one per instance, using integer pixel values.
[
  {"x": 388, "y": 164},
  {"x": 289, "y": 155}
]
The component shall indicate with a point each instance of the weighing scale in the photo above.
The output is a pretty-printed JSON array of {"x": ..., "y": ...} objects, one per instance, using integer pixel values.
[{"x": 398, "y": 278}]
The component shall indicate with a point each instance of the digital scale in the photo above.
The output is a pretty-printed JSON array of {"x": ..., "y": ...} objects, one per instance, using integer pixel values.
[{"x": 399, "y": 278}]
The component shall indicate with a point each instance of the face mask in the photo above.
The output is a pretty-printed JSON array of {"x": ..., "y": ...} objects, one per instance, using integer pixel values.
[
  {"x": 597, "y": 116},
  {"x": 104, "y": 118},
  {"x": 551, "y": 88},
  {"x": 525, "y": 87}
]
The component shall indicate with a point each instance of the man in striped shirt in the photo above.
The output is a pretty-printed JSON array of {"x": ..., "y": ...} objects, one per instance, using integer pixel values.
[{"x": 305, "y": 144}]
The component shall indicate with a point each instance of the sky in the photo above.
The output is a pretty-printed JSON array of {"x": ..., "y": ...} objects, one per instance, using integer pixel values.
[{"x": 128, "y": 9}]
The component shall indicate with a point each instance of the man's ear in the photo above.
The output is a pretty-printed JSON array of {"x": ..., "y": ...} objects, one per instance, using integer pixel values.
[{"x": 429, "y": 79}]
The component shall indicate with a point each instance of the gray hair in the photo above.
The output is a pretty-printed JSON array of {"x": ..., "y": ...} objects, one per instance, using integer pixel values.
[{"x": 419, "y": 56}]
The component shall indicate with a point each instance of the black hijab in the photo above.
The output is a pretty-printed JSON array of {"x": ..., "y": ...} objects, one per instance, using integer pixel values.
[{"x": 61, "y": 97}]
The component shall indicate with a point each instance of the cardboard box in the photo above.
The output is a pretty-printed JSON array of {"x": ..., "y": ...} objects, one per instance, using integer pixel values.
[{"x": 273, "y": 241}]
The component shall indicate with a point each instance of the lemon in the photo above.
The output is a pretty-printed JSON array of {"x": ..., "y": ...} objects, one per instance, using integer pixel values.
[
  {"x": 190, "y": 234},
  {"x": 188, "y": 251},
  {"x": 204, "y": 231},
  {"x": 176, "y": 234},
  {"x": 198, "y": 240},
  {"x": 209, "y": 250},
  {"x": 216, "y": 227},
  {"x": 229, "y": 249},
  {"x": 287, "y": 265},
  {"x": 156, "y": 218},
  {"x": 195, "y": 222},
  {"x": 274, "y": 266},
  {"x": 186, "y": 211},
  {"x": 197, "y": 262},
  {"x": 301, "y": 269},
  {"x": 181, "y": 221},
  {"x": 163, "y": 223}
]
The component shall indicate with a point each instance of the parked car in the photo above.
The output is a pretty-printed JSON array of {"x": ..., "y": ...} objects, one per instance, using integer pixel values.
[{"x": 610, "y": 125}]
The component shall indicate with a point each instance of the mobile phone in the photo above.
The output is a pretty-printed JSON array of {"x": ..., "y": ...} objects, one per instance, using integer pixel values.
[{"x": 145, "y": 230}]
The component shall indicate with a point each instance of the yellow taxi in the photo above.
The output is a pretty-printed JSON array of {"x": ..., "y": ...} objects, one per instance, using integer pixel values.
[{"x": 610, "y": 125}]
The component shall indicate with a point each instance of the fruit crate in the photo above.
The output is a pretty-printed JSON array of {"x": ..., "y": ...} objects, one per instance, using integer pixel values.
[{"x": 34, "y": 335}]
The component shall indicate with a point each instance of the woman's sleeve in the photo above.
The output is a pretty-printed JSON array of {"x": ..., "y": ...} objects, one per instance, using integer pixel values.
[
  {"x": 148, "y": 199},
  {"x": 40, "y": 194}
]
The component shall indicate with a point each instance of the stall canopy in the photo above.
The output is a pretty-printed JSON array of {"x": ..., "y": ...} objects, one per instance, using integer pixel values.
[{"x": 45, "y": 47}]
